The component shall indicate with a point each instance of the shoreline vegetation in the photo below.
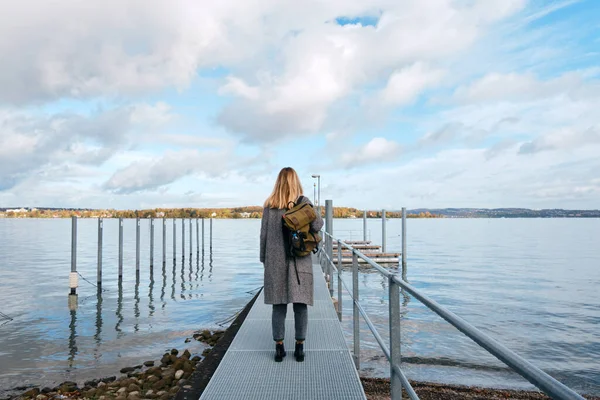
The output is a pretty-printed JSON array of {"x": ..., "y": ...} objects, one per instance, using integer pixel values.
[{"x": 255, "y": 212}]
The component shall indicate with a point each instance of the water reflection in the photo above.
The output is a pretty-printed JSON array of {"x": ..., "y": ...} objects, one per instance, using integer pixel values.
[
  {"x": 163, "y": 286},
  {"x": 150, "y": 293},
  {"x": 136, "y": 304},
  {"x": 182, "y": 294},
  {"x": 98, "y": 334},
  {"x": 72, "y": 329},
  {"x": 119, "y": 311},
  {"x": 174, "y": 279}
]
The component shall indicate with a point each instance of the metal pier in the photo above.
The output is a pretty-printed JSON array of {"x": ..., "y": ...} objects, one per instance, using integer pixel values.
[{"x": 248, "y": 370}]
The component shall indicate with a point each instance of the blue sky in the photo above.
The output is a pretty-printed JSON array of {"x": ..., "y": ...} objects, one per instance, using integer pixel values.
[{"x": 422, "y": 103}]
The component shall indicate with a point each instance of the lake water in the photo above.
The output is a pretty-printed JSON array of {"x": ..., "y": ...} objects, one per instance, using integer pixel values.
[{"x": 533, "y": 284}]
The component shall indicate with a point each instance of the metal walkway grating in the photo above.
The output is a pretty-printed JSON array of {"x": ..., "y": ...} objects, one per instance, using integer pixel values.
[{"x": 248, "y": 371}]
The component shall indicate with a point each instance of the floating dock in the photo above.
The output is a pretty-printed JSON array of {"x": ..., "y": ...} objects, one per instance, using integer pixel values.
[{"x": 373, "y": 251}]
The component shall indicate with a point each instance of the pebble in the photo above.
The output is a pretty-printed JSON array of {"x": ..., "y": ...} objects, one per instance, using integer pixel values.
[
  {"x": 101, "y": 384},
  {"x": 122, "y": 390},
  {"x": 149, "y": 363},
  {"x": 179, "y": 374}
]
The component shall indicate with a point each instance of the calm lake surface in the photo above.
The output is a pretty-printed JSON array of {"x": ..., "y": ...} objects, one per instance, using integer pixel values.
[{"x": 533, "y": 284}]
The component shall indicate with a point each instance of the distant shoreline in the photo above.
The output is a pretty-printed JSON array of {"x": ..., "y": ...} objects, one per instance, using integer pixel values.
[{"x": 255, "y": 212}]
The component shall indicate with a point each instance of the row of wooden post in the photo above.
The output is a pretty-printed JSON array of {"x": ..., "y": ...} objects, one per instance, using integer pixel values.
[{"x": 73, "y": 276}]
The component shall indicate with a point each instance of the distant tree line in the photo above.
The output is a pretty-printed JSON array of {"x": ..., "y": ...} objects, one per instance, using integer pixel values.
[{"x": 236, "y": 212}]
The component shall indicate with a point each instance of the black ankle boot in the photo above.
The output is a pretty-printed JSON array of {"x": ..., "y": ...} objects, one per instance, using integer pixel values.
[
  {"x": 299, "y": 352},
  {"x": 279, "y": 352}
]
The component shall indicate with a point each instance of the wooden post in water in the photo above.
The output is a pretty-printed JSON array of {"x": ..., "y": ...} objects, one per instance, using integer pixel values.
[
  {"x": 137, "y": 244},
  {"x": 211, "y": 220},
  {"x": 164, "y": 241},
  {"x": 73, "y": 274},
  {"x": 151, "y": 242},
  {"x": 202, "y": 235},
  {"x": 120, "y": 248},
  {"x": 100, "y": 235},
  {"x": 190, "y": 238}
]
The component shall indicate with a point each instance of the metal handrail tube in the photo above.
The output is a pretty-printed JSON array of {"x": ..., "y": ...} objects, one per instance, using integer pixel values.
[
  {"x": 533, "y": 374},
  {"x": 386, "y": 352},
  {"x": 407, "y": 386}
]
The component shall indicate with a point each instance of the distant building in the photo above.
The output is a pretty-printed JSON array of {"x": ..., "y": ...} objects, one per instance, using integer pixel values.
[
  {"x": 213, "y": 214},
  {"x": 17, "y": 211},
  {"x": 160, "y": 214},
  {"x": 245, "y": 215}
]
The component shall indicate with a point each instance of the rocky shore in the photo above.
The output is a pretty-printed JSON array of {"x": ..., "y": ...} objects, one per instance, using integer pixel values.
[
  {"x": 379, "y": 389},
  {"x": 183, "y": 376},
  {"x": 151, "y": 380}
]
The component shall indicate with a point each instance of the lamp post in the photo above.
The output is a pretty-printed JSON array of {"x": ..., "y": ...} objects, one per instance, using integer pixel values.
[{"x": 319, "y": 196}]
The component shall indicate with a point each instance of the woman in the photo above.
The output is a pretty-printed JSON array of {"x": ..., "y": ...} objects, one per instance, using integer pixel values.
[{"x": 282, "y": 284}]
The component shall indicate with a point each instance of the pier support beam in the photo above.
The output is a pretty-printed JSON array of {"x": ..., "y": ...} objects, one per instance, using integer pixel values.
[
  {"x": 120, "y": 248},
  {"x": 73, "y": 276},
  {"x": 383, "y": 232},
  {"x": 100, "y": 237},
  {"x": 404, "y": 243},
  {"x": 174, "y": 239},
  {"x": 329, "y": 241},
  {"x": 151, "y": 242},
  {"x": 365, "y": 225},
  {"x": 164, "y": 240},
  {"x": 137, "y": 244}
]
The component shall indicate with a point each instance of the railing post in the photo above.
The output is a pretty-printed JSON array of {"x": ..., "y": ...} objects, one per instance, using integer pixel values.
[
  {"x": 137, "y": 244},
  {"x": 339, "y": 282},
  {"x": 355, "y": 314},
  {"x": 174, "y": 239},
  {"x": 329, "y": 230},
  {"x": 100, "y": 236},
  {"x": 120, "y": 248},
  {"x": 151, "y": 242},
  {"x": 164, "y": 241},
  {"x": 395, "y": 339},
  {"x": 403, "y": 238},
  {"x": 383, "y": 232},
  {"x": 73, "y": 274},
  {"x": 365, "y": 225}
]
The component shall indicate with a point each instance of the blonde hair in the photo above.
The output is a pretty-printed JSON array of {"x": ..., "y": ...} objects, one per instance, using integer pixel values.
[{"x": 287, "y": 189}]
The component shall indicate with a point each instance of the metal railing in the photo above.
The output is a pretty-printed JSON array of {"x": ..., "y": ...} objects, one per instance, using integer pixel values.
[{"x": 536, "y": 376}]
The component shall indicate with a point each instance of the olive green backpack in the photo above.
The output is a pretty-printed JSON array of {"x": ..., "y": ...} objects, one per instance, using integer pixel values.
[{"x": 300, "y": 240}]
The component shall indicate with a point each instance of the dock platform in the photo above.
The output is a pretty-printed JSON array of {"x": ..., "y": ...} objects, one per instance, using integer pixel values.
[{"x": 248, "y": 370}]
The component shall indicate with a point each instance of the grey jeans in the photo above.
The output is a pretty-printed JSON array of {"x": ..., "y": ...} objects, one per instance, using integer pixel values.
[{"x": 300, "y": 321}]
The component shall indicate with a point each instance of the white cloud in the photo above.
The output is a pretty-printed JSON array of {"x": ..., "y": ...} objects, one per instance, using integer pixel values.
[
  {"x": 375, "y": 151},
  {"x": 152, "y": 173},
  {"x": 32, "y": 142},
  {"x": 513, "y": 87},
  {"x": 406, "y": 84}
]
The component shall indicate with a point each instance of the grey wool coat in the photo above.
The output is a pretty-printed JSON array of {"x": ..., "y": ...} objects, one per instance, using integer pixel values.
[{"x": 281, "y": 284}]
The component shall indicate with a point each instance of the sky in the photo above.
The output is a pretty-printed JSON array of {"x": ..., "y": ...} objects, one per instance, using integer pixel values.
[{"x": 137, "y": 104}]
